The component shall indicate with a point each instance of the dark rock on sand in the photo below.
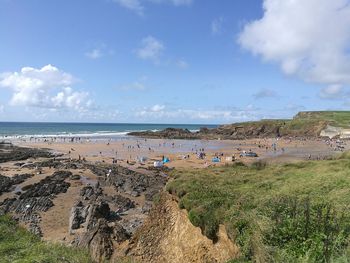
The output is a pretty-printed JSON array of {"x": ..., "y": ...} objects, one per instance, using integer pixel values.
[
  {"x": 97, "y": 211},
  {"x": 122, "y": 203},
  {"x": 98, "y": 240},
  {"x": 36, "y": 198},
  {"x": 9, "y": 152},
  {"x": 75, "y": 177},
  {"x": 89, "y": 208},
  {"x": 51, "y": 185},
  {"x": 134, "y": 183},
  {"x": 169, "y": 133},
  {"x": 7, "y": 183},
  {"x": 78, "y": 216}
]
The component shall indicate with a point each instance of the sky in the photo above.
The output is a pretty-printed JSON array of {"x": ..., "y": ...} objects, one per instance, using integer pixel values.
[{"x": 172, "y": 61}]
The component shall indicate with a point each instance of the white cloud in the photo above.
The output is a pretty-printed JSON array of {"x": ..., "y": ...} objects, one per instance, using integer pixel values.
[
  {"x": 47, "y": 87},
  {"x": 294, "y": 107},
  {"x": 174, "y": 2},
  {"x": 160, "y": 112},
  {"x": 151, "y": 49},
  {"x": 157, "y": 108},
  {"x": 94, "y": 54},
  {"x": 138, "y": 5},
  {"x": 137, "y": 85},
  {"x": 2, "y": 108},
  {"x": 68, "y": 98},
  {"x": 265, "y": 93},
  {"x": 182, "y": 2},
  {"x": 216, "y": 26},
  {"x": 332, "y": 92},
  {"x": 310, "y": 39},
  {"x": 134, "y": 5},
  {"x": 182, "y": 63}
]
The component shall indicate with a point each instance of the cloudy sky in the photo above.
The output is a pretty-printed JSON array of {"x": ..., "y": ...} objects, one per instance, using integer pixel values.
[{"x": 172, "y": 61}]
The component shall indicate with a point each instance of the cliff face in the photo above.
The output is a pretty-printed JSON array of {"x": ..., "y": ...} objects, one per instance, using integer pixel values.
[{"x": 169, "y": 236}]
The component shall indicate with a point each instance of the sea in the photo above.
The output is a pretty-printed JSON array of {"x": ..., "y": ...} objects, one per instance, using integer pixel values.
[{"x": 12, "y": 130}]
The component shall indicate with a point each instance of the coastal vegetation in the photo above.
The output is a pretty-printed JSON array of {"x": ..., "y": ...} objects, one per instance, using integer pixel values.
[{"x": 296, "y": 212}]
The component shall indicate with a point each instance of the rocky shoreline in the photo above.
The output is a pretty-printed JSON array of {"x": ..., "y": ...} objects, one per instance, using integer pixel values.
[{"x": 241, "y": 131}]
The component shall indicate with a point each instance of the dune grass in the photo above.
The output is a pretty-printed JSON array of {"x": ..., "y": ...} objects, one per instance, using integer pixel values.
[
  {"x": 17, "y": 245},
  {"x": 275, "y": 213}
]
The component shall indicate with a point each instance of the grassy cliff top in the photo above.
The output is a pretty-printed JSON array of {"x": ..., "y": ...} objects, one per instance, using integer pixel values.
[
  {"x": 336, "y": 118},
  {"x": 275, "y": 213}
]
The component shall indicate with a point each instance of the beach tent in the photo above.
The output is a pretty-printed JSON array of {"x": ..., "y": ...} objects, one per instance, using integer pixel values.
[{"x": 166, "y": 160}]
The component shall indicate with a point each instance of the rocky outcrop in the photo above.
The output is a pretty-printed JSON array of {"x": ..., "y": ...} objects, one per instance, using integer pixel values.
[
  {"x": 98, "y": 240},
  {"x": 49, "y": 186},
  {"x": 60, "y": 164},
  {"x": 9, "y": 152},
  {"x": 232, "y": 131},
  {"x": 302, "y": 125},
  {"x": 135, "y": 184},
  {"x": 7, "y": 183},
  {"x": 36, "y": 198},
  {"x": 97, "y": 219},
  {"x": 169, "y": 133},
  {"x": 101, "y": 227},
  {"x": 88, "y": 209}
]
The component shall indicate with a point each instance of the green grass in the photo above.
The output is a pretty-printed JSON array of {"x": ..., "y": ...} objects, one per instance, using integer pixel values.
[
  {"x": 276, "y": 213},
  {"x": 336, "y": 118},
  {"x": 17, "y": 245}
]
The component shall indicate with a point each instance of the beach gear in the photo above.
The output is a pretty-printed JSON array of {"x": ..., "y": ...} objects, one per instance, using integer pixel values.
[
  {"x": 215, "y": 160},
  {"x": 158, "y": 164},
  {"x": 166, "y": 160}
]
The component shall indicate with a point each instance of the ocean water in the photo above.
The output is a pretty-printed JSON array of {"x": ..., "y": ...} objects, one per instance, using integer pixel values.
[{"x": 10, "y": 130}]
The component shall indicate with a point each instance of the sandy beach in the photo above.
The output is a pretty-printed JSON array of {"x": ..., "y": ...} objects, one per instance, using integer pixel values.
[{"x": 132, "y": 151}]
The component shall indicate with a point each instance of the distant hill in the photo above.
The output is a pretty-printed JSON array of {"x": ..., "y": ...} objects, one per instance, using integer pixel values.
[{"x": 304, "y": 124}]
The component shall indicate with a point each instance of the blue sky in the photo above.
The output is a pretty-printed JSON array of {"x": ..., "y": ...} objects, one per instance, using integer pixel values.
[{"x": 171, "y": 61}]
